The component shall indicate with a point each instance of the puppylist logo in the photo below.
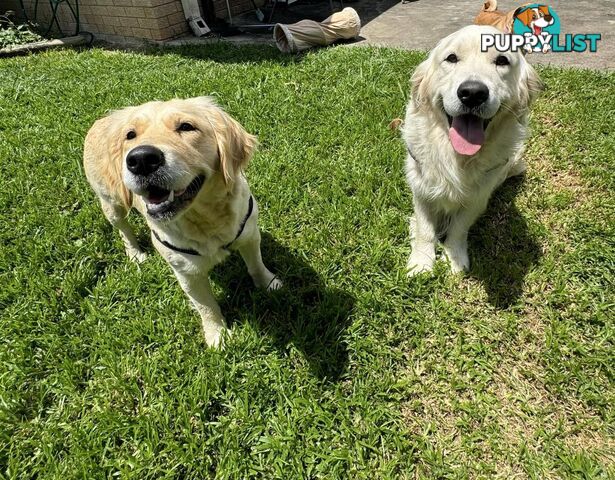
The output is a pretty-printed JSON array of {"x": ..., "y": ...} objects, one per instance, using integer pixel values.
[{"x": 536, "y": 28}]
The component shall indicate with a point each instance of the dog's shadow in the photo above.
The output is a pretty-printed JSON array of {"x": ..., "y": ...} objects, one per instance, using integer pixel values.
[
  {"x": 305, "y": 312},
  {"x": 501, "y": 249}
]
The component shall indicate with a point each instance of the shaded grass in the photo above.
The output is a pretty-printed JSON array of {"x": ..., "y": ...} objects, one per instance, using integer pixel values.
[{"x": 352, "y": 371}]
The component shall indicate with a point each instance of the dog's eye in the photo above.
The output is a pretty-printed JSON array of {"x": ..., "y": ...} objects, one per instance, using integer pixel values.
[
  {"x": 131, "y": 134},
  {"x": 502, "y": 60},
  {"x": 452, "y": 58},
  {"x": 186, "y": 127}
]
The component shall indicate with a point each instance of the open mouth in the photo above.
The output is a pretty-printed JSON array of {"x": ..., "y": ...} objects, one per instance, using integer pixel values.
[
  {"x": 537, "y": 30},
  {"x": 467, "y": 132},
  {"x": 162, "y": 203}
]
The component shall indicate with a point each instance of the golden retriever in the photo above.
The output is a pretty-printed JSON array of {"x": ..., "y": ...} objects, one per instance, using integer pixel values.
[
  {"x": 465, "y": 127},
  {"x": 180, "y": 164}
]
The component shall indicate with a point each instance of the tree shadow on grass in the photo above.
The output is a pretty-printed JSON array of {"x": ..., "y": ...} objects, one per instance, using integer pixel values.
[
  {"x": 221, "y": 51},
  {"x": 215, "y": 50},
  {"x": 305, "y": 312},
  {"x": 501, "y": 248}
]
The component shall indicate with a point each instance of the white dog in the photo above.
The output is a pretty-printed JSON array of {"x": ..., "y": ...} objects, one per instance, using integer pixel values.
[
  {"x": 465, "y": 126},
  {"x": 180, "y": 163}
]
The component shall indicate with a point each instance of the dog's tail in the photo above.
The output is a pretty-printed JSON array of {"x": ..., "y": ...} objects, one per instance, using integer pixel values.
[{"x": 490, "y": 5}]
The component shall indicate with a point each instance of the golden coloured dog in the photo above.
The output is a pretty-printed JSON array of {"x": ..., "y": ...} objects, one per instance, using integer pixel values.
[{"x": 180, "y": 164}]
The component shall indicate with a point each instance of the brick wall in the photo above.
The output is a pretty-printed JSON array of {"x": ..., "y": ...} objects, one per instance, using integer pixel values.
[
  {"x": 121, "y": 20},
  {"x": 118, "y": 20}
]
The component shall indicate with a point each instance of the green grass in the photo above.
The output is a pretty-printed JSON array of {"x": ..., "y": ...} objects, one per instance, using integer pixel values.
[{"x": 352, "y": 371}]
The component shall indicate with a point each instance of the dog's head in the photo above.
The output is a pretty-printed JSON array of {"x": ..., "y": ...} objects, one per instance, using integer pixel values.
[
  {"x": 535, "y": 18},
  {"x": 466, "y": 89},
  {"x": 168, "y": 152}
]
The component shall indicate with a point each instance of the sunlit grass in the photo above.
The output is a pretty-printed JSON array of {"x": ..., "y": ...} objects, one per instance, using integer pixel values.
[{"x": 352, "y": 371}]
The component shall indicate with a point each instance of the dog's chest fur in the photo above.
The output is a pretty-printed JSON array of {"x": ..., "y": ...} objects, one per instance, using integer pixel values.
[
  {"x": 441, "y": 177},
  {"x": 207, "y": 228}
]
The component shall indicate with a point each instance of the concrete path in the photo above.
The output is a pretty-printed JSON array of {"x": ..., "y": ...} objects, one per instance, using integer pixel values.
[{"x": 419, "y": 24}]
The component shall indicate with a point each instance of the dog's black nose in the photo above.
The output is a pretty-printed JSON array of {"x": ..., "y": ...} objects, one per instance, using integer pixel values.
[
  {"x": 473, "y": 93},
  {"x": 144, "y": 159},
  {"x": 548, "y": 18}
]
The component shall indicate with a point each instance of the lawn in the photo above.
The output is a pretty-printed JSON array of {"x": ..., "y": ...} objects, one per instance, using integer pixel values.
[{"x": 351, "y": 371}]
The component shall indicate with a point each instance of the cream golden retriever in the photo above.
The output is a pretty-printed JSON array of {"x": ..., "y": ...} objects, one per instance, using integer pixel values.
[
  {"x": 465, "y": 127},
  {"x": 180, "y": 164}
]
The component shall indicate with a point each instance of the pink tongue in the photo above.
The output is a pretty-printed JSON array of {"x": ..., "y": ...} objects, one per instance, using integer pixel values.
[{"x": 467, "y": 134}]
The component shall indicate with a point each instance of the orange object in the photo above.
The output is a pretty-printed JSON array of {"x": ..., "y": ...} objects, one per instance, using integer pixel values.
[{"x": 490, "y": 15}]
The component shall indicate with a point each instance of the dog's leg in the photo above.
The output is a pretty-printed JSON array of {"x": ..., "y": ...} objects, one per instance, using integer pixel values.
[
  {"x": 116, "y": 215},
  {"x": 250, "y": 250},
  {"x": 517, "y": 168},
  {"x": 456, "y": 243},
  {"x": 199, "y": 291},
  {"x": 423, "y": 240}
]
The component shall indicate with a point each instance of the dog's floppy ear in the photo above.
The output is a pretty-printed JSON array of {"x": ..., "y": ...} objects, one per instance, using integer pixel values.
[
  {"x": 418, "y": 83},
  {"x": 235, "y": 145},
  {"x": 530, "y": 84},
  {"x": 102, "y": 158}
]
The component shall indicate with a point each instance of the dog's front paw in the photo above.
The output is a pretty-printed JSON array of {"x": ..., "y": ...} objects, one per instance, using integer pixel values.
[
  {"x": 217, "y": 339},
  {"x": 215, "y": 331},
  {"x": 459, "y": 266},
  {"x": 136, "y": 256},
  {"x": 267, "y": 281},
  {"x": 418, "y": 264},
  {"x": 458, "y": 259},
  {"x": 546, "y": 47},
  {"x": 275, "y": 284}
]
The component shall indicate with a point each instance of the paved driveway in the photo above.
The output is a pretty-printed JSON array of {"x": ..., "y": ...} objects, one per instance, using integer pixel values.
[{"x": 419, "y": 24}]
